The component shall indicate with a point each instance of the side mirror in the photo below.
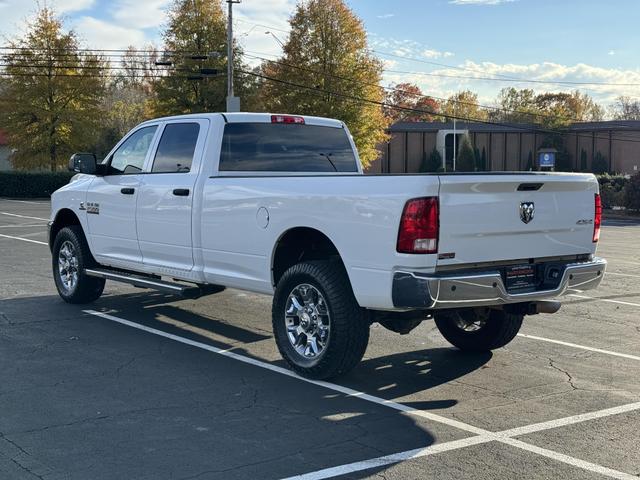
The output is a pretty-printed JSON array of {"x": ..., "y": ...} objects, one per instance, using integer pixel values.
[{"x": 83, "y": 163}]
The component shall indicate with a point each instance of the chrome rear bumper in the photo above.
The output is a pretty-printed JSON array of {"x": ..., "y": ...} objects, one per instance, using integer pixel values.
[{"x": 433, "y": 291}]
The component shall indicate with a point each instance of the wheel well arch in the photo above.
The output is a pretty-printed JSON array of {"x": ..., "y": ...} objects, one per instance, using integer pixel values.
[
  {"x": 64, "y": 218},
  {"x": 301, "y": 244}
]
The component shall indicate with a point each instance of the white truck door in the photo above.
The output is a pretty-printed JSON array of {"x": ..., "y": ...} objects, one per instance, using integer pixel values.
[
  {"x": 165, "y": 203},
  {"x": 111, "y": 200}
]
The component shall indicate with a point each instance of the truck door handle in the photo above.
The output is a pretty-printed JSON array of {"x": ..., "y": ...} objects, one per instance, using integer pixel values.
[
  {"x": 127, "y": 191},
  {"x": 181, "y": 192}
]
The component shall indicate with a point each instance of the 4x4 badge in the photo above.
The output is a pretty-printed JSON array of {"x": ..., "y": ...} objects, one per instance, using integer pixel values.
[{"x": 527, "y": 209}]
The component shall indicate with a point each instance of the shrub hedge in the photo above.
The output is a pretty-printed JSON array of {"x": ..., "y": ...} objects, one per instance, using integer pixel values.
[
  {"x": 32, "y": 185},
  {"x": 620, "y": 191}
]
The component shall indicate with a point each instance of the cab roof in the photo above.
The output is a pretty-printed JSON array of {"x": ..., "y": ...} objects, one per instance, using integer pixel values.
[{"x": 247, "y": 117}]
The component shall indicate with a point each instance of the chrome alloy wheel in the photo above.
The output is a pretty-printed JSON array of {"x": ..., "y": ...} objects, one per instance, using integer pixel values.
[
  {"x": 472, "y": 320},
  {"x": 68, "y": 266},
  {"x": 307, "y": 321}
]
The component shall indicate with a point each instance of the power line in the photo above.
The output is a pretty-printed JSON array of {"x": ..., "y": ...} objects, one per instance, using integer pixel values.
[
  {"x": 413, "y": 94},
  {"x": 530, "y": 129}
]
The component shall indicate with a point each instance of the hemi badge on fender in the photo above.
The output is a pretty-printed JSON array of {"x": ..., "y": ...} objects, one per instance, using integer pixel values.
[{"x": 446, "y": 256}]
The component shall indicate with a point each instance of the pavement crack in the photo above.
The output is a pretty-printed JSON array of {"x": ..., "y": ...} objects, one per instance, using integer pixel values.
[{"x": 567, "y": 374}]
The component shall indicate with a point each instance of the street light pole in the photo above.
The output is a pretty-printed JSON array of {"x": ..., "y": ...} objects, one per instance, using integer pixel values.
[{"x": 233, "y": 102}]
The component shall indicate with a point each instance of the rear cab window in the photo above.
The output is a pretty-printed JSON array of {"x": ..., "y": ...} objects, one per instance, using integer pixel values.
[{"x": 274, "y": 147}]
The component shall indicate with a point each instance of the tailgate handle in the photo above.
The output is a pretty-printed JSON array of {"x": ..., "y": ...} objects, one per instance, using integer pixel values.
[{"x": 529, "y": 187}]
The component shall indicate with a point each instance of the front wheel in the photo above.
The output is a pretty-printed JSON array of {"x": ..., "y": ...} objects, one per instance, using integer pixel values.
[
  {"x": 319, "y": 328},
  {"x": 70, "y": 256},
  {"x": 478, "y": 330}
]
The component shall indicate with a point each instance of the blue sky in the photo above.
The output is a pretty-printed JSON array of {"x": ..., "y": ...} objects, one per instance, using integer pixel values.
[{"x": 545, "y": 40}]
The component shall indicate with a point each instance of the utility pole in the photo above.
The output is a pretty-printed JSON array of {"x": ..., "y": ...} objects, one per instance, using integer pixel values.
[{"x": 233, "y": 102}]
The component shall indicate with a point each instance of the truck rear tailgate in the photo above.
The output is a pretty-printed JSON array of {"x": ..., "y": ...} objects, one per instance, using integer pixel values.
[{"x": 497, "y": 217}]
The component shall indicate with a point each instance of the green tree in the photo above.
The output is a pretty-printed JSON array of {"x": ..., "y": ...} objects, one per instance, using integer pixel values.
[
  {"x": 464, "y": 105},
  {"x": 599, "y": 164},
  {"x": 466, "y": 159},
  {"x": 196, "y": 28},
  {"x": 52, "y": 94},
  {"x": 328, "y": 70},
  {"x": 431, "y": 163}
]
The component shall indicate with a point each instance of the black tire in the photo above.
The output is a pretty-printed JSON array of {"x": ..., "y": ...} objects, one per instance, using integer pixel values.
[
  {"x": 348, "y": 323},
  {"x": 495, "y": 328},
  {"x": 86, "y": 289}
]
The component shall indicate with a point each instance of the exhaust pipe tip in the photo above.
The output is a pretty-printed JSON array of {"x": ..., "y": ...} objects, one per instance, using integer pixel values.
[{"x": 545, "y": 306}]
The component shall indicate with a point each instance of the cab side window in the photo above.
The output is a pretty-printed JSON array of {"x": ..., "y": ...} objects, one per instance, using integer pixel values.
[
  {"x": 129, "y": 157},
  {"x": 176, "y": 148}
]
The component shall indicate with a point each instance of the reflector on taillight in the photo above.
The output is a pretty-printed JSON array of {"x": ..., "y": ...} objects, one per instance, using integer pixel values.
[
  {"x": 419, "y": 226},
  {"x": 287, "y": 119},
  {"x": 597, "y": 219}
]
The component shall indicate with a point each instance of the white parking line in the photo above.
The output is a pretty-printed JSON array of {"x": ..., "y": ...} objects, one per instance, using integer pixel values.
[
  {"x": 24, "y": 201},
  {"x": 622, "y": 274},
  {"x": 582, "y": 347},
  {"x": 23, "y": 216},
  {"x": 619, "y": 302},
  {"x": 24, "y": 239},
  {"x": 24, "y": 225},
  {"x": 482, "y": 435}
]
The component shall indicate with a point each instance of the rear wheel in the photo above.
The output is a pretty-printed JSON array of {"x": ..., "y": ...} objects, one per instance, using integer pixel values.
[
  {"x": 70, "y": 257},
  {"x": 319, "y": 328},
  {"x": 478, "y": 329}
]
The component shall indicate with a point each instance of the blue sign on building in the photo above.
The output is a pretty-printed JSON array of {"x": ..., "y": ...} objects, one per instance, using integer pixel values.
[{"x": 547, "y": 159}]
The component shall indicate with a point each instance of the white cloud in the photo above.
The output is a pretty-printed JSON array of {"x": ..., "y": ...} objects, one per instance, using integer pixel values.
[
  {"x": 140, "y": 14},
  {"x": 443, "y": 86},
  {"x": 386, "y": 15},
  {"x": 430, "y": 53},
  {"x": 100, "y": 34},
  {"x": 66, "y": 6},
  {"x": 479, "y": 2},
  {"x": 256, "y": 18},
  {"x": 611, "y": 52}
]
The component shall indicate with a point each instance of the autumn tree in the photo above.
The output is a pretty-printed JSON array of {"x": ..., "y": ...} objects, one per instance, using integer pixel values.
[
  {"x": 51, "y": 95},
  {"x": 626, "y": 108},
  {"x": 327, "y": 70},
  {"x": 553, "y": 110},
  {"x": 464, "y": 105},
  {"x": 405, "y": 102},
  {"x": 129, "y": 98}
]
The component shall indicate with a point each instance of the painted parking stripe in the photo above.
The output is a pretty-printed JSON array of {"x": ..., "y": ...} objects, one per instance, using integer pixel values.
[
  {"x": 25, "y": 225},
  {"x": 482, "y": 435},
  {"x": 283, "y": 371},
  {"x": 24, "y": 239},
  {"x": 619, "y": 302},
  {"x": 23, "y": 216},
  {"x": 23, "y": 201},
  {"x": 393, "y": 458},
  {"x": 563, "y": 422},
  {"x": 581, "y": 347},
  {"x": 622, "y": 274}
]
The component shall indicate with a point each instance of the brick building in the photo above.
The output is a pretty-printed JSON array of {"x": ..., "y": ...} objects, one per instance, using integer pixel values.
[{"x": 508, "y": 146}]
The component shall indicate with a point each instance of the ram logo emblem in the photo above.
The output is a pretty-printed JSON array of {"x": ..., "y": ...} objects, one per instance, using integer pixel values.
[{"x": 527, "y": 210}]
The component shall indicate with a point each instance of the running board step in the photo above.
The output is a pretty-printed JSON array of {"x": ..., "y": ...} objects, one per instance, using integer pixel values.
[{"x": 141, "y": 281}]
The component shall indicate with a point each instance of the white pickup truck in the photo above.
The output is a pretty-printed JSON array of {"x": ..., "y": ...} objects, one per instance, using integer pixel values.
[{"x": 278, "y": 204}]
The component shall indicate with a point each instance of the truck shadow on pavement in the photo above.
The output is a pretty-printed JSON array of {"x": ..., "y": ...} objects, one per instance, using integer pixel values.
[{"x": 226, "y": 419}]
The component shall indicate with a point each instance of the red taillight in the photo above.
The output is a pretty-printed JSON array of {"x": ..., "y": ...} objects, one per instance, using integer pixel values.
[
  {"x": 597, "y": 219},
  {"x": 419, "y": 226},
  {"x": 287, "y": 119}
]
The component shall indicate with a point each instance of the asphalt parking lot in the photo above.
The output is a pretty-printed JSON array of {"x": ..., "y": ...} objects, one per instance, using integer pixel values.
[{"x": 141, "y": 385}]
